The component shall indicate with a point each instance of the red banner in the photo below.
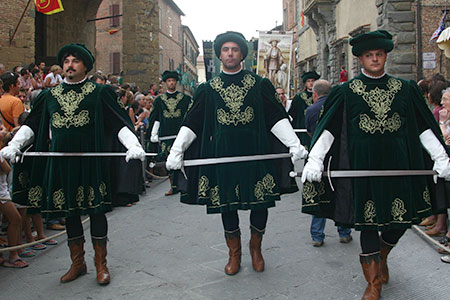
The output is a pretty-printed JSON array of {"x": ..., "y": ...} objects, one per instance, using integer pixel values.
[{"x": 49, "y": 7}]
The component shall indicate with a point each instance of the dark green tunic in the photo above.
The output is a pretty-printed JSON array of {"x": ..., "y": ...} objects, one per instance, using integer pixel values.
[
  {"x": 376, "y": 125},
  {"x": 84, "y": 117},
  {"x": 169, "y": 109},
  {"x": 232, "y": 116},
  {"x": 297, "y": 112}
]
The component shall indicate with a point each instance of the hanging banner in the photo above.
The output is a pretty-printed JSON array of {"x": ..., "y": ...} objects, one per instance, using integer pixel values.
[
  {"x": 208, "y": 57},
  {"x": 49, "y": 7},
  {"x": 274, "y": 58}
]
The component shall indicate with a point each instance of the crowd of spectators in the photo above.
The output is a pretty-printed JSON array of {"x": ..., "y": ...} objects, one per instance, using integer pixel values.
[{"x": 18, "y": 89}]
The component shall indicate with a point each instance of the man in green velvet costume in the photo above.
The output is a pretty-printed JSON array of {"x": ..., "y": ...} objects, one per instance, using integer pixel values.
[
  {"x": 82, "y": 117},
  {"x": 234, "y": 114},
  {"x": 374, "y": 122},
  {"x": 300, "y": 103},
  {"x": 167, "y": 115}
]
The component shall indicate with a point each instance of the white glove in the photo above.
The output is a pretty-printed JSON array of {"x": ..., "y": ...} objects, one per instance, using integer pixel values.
[
  {"x": 154, "y": 135},
  {"x": 130, "y": 141},
  {"x": 23, "y": 137},
  {"x": 437, "y": 152},
  {"x": 314, "y": 167},
  {"x": 285, "y": 133},
  {"x": 184, "y": 139}
]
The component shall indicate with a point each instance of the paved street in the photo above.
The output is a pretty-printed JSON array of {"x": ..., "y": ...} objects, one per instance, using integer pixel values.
[{"x": 162, "y": 249}]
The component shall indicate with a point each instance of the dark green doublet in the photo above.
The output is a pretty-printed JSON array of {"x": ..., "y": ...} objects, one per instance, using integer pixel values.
[
  {"x": 297, "y": 111},
  {"x": 84, "y": 117},
  {"x": 232, "y": 116},
  {"x": 376, "y": 125},
  {"x": 169, "y": 110}
]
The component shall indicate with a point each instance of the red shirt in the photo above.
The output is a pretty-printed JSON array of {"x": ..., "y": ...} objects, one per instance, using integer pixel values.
[{"x": 343, "y": 76}]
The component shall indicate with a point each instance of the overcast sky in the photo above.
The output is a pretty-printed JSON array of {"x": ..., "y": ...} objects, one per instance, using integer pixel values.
[{"x": 206, "y": 19}]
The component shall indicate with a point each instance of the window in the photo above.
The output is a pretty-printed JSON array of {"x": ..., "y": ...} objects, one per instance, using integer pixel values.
[
  {"x": 115, "y": 63},
  {"x": 114, "y": 10}
]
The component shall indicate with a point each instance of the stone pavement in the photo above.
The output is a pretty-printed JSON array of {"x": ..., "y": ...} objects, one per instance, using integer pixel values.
[{"x": 162, "y": 249}]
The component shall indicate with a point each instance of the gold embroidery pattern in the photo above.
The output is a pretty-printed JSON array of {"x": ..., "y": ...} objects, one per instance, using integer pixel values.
[
  {"x": 369, "y": 211},
  {"x": 236, "y": 191},
  {"x": 35, "y": 195},
  {"x": 190, "y": 105},
  {"x": 379, "y": 101},
  {"x": 102, "y": 189},
  {"x": 426, "y": 196},
  {"x": 234, "y": 97},
  {"x": 204, "y": 191},
  {"x": 121, "y": 103},
  {"x": 203, "y": 186},
  {"x": 80, "y": 196},
  {"x": 58, "y": 199},
  {"x": 308, "y": 100},
  {"x": 91, "y": 196},
  {"x": 215, "y": 198},
  {"x": 264, "y": 187},
  {"x": 163, "y": 147},
  {"x": 23, "y": 179},
  {"x": 309, "y": 192},
  {"x": 69, "y": 103},
  {"x": 278, "y": 98},
  {"x": 171, "y": 104},
  {"x": 398, "y": 209}
]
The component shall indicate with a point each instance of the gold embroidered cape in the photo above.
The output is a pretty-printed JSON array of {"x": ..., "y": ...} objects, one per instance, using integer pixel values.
[
  {"x": 82, "y": 118},
  {"x": 232, "y": 116},
  {"x": 376, "y": 125}
]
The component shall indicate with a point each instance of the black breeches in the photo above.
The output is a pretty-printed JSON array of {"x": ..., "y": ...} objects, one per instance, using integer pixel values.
[
  {"x": 370, "y": 239},
  {"x": 258, "y": 219},
  {"x": 99, "y": 226}
]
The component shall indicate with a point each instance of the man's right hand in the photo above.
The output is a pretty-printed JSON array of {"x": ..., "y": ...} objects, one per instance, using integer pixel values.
[
  {"x": 312, "y": 171},
  {"x": 174, "y": 161},
  {"x": 10, "y": 153}
]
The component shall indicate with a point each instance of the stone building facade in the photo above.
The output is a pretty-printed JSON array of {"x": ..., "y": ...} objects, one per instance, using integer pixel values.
[
  {"x": 323, "y": 40},
  {"x": 189, "y": 67},
  {"x": 290, "y": 24}
]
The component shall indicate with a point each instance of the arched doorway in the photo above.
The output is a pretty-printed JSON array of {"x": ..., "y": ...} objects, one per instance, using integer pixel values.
[{"x": 69, "y": 26}]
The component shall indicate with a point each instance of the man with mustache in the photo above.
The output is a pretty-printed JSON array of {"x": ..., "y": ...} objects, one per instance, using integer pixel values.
[
  {"x": 236, "y": 113},
  {"x": 374, "y": 122},
  {"x": 83, "y": 117}
]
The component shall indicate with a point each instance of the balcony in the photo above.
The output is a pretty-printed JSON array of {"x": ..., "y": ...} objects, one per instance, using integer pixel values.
[{"x": 313, "y": 4}]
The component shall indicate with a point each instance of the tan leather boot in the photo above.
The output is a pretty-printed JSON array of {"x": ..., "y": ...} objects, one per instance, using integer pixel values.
[
  {"x": 370, "y": 264},
  {"x": 255, "y": 249},
  {"x": 385, "y": 248},
  {"x": 78, "y": 267},
  {"x": 103, "y": 276},
  {"x": 233, "y": 240}
]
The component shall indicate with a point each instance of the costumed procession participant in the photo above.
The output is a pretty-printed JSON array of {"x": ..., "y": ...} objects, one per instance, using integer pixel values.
[
  {"x": 83, "y": 117},
  {"x": 321, "y": 88},
  {"x": 167, "y": 115},
  {"x": 375, "y": 122},
  {"x": 234, "y": 114},
  {"x": 300, "y": 103}
]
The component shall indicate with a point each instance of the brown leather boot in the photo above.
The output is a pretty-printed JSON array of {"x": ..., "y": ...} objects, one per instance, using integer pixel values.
[
  {"x": 255, "y": 248},
  {"x": 385, "y": 248},
  {"x": 370, "y": 264},
  {"x": 103, "y": 276},
  {"x": 78, "y": 266},
  {"x": 233, "y": 240}
]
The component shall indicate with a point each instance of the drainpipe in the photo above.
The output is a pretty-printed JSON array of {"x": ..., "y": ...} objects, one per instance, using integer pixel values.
[{"x": 419, "y": 40}]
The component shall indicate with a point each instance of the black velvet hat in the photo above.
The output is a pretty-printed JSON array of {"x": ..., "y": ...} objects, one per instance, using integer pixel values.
[
  {"x": 81, "y": 49},
  {"x": 231, "y": 36},
  {"x": 379, "y": 39},
  {"x": 310, "y": 75},
  {"x": 170, "y": 74}
]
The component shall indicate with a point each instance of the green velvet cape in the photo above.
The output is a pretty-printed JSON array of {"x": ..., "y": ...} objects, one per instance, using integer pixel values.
[
  {"x": 232, "y": 116},
  {"x": 84, "y": 117},
  {"x": 297, "y": 111},
  {"x": 376, "y": 125}
]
